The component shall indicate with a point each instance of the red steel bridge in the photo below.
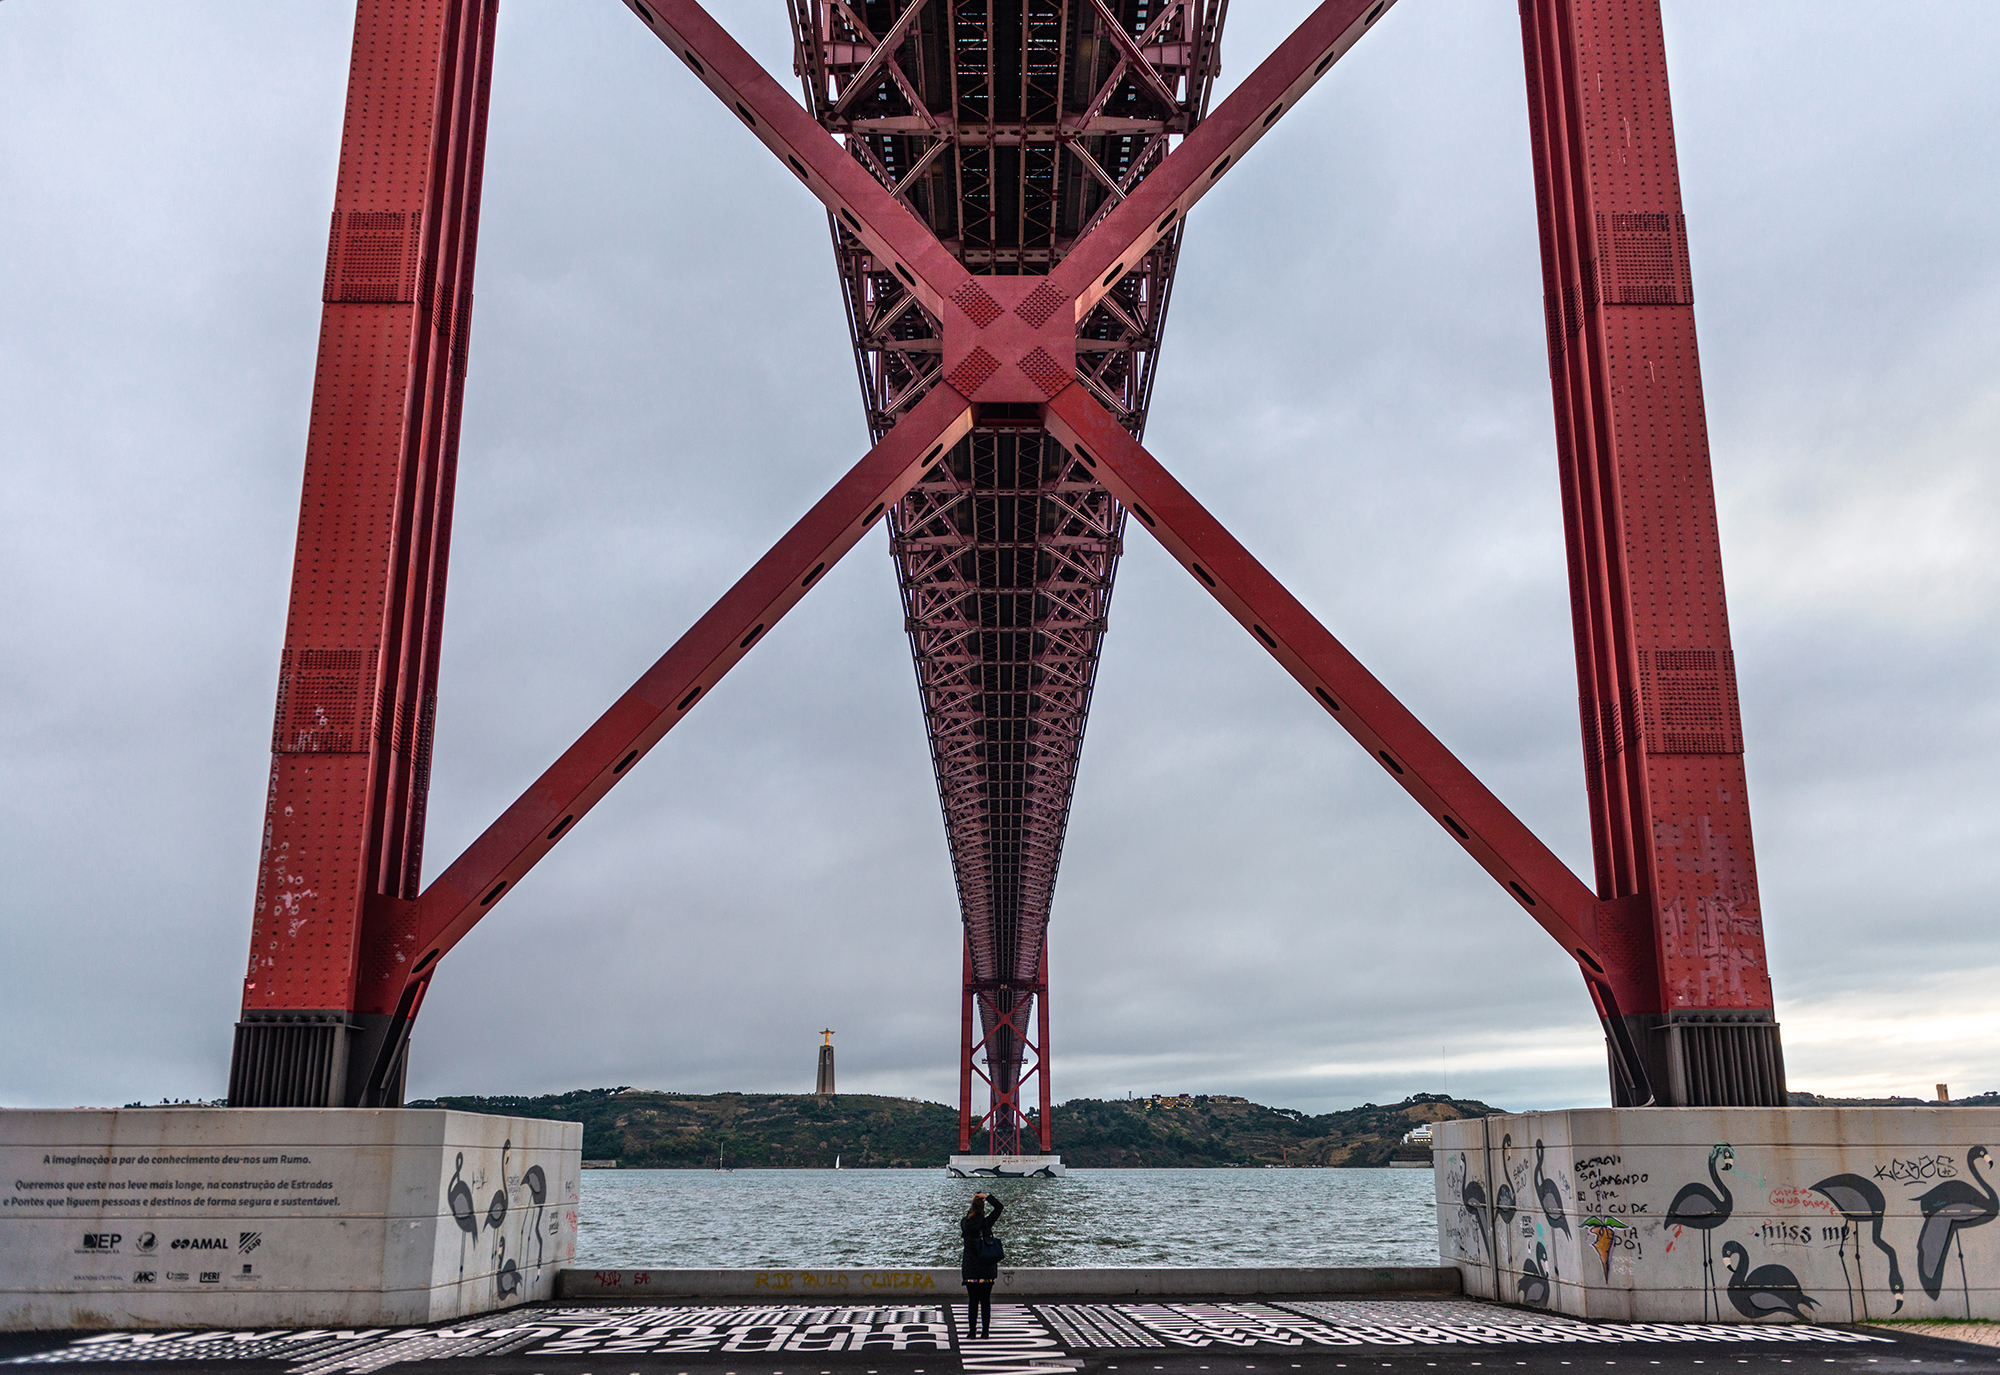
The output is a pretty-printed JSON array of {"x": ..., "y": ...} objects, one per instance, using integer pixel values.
[{"x": 1007, "y": 183}]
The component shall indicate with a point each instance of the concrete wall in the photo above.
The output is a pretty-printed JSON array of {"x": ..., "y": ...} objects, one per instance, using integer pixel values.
[
  {"x": 198, "y": 1217},
  {"x": 1795, "y": 1199},
  {"x": 931, "y": 1283}
]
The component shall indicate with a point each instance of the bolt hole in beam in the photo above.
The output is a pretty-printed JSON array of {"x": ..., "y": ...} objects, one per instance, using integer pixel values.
[
  {"x": 748, "y": 118},
  {"x": 621, "y": 764},
  {"x": 1327, "y": 698},
  {"x": 1276, "y": 110},
  {"x": 1220, "y": 168},
  {"x": 848, "y": 215},
  {"x": 1270, "y": 643},
  {"x": 1202, "y": 573},
  {"x": 1456, "y": 829},
  {"x": 695, "y": 63},
  {"x": 869, "y": 519},
  {"x": 798, "y": 167},
  {"x": 751, "y": 638},
  {"x": 1143, "y": 514},
  {"x": 1170, "y": 217},
  {"x": 1112, "y": 275},
  {"x": 1522, "y": 894},
  {"x": 1386, "y": 759},
  {"x": 904, "y": 273},
  {"x": 562, "y": 826},
  {"x": 688, "y": 700},
  {"x": 426, "y": 961},
  {"x": 498, "y": 889},
  {"x": 818, "y": 569},
  {"x": 1584, "y": 955},
  {"x": 1088, "y": 461}
]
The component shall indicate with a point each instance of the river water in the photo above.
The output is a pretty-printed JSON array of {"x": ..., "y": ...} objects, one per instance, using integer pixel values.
[{"x": 787, "y": 1219}]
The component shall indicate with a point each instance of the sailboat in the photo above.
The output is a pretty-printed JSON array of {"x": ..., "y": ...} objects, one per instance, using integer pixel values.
[
  {"x": 836, "y": 1162},
  {"x": 720, "y": 1168}
]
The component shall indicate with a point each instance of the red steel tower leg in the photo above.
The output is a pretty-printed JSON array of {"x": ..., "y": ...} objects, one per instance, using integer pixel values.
[
  {"x": 1663, "y": 741},
  {"x": 1042, "y": 1045},
  {"x": 965, "y": 1058},
  {"x": 357, "y": 687}
]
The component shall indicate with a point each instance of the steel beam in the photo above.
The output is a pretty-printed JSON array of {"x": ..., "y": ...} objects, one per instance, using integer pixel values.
[
  {"x": 538, "y": 820},
  {"x": 1656, "y": 675},
  {"x": 357, "y": 686},
  {"x": 1553, "y": 897}
]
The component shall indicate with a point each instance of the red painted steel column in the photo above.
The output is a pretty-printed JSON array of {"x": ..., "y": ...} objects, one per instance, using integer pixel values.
[
  {"x": 1042, "y": 1042},
  {"x": 965, "y": 1058},
  {"x": 358, "y": 680},
  {"x": 1663, "y": 738}
]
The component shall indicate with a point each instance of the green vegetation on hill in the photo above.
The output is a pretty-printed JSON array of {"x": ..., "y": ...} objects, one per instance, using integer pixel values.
[{"x": 642, "y": 1129}]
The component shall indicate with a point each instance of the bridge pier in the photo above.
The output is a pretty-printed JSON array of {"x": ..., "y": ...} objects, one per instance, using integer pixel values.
[
  {"x": 280, "y": 1217},
  {"x": 1836, "y": 1215}
]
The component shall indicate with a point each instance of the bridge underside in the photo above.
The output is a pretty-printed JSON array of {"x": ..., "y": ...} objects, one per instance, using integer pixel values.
[
  {"x": 1007, "y": 183},
  {"x": 1009, "y": 127}
]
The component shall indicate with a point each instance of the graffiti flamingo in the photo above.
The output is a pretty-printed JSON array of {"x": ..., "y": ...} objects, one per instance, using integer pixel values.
[
  {"x": 1766, "y": 1291},
  {"x": 496, "y": 1211},
  {"x": 1472, "y": 1196},
  {"x": 1858, "y": 1201},
  {"x": 1503, "y": 1195},
  {"x": 1551, "y": 1200},
  {"x": 1534, "y": 1281},
  {"x": 459, "y": 1195},
  {"x": 1949, "y": 1209},
  {"x": 1706, "y": 1209}
]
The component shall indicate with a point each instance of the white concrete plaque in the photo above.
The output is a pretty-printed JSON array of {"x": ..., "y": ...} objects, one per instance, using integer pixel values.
[{"x": 203, "y": 1217}]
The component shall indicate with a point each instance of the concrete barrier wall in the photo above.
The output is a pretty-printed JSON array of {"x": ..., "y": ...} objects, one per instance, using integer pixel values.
[
  {"x": 307, "y": 1217},
  {"x": 1831, "y": 1214},
  {"x": 1016, "y": 1282}
]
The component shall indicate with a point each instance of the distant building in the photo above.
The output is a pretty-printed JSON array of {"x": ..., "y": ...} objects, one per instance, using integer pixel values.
[{"x": 824, "y": 1087}]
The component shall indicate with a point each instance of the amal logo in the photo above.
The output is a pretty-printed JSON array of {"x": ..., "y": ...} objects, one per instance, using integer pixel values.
[{"x": 200, "y": 1243}]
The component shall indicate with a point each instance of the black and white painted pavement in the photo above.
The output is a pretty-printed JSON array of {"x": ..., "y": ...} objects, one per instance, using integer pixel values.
[{"x": 1224, "y": 1337}]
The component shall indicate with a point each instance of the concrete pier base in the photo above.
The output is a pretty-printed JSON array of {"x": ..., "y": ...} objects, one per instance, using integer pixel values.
[
  {"x": 1005, "y": 1167},
  {"x": 279, "y": 1217},
  {"x": 1726, "y": 1214}
]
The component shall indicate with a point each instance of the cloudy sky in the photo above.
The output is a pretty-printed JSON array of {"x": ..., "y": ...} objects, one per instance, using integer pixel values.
[{"x": 1354, "y": 379}]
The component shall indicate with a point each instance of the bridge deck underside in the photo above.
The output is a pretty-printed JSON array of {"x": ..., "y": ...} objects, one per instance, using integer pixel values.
[{"x": 1010, "y": 127}]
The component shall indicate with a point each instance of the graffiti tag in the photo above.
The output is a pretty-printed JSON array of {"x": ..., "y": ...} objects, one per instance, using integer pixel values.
[{"x": 1921, "y": 1168}]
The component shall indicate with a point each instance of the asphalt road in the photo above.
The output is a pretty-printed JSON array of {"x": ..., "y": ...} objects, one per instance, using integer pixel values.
[{"x": 1275, "y": 1336}]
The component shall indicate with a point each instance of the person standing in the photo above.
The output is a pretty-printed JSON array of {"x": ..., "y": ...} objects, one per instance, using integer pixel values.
[{"x": 981, "y": 1265}]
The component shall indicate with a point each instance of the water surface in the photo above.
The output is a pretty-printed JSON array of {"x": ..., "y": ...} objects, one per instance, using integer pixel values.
[{"x": 785, "y": 1219}]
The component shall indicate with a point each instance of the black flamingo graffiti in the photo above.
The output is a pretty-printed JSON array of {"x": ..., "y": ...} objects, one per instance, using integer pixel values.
[
  {"x": 459, "y": 1195},
  {"x": 1534, "y": 1281},
  {"x": 1551, "y": 1200},
  {"x": 508, "y": 1280},
  {"x": 1705, "y": 1209},
  {"x": 1766, "y": 1291},
  {"x": 496, "y": 1211},
  {"x": 1949, "y": 1209},
  {"x": 1859, "y": 1201},
  {"x": 1472, "y": 1196},
  {"x": 538, "y": 1190},
  {"x": 1503, "y": 1196}
]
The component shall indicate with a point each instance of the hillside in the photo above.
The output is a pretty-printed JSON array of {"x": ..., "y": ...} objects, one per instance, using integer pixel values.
[{"x": 642, "y": 1129}]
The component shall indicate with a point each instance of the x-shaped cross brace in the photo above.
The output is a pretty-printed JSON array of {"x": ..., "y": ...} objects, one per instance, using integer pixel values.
[{"x": 1011, "y": 339}]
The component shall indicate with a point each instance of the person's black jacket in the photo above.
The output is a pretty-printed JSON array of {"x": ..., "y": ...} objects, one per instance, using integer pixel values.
[{"x": 973, "y": 1268}]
